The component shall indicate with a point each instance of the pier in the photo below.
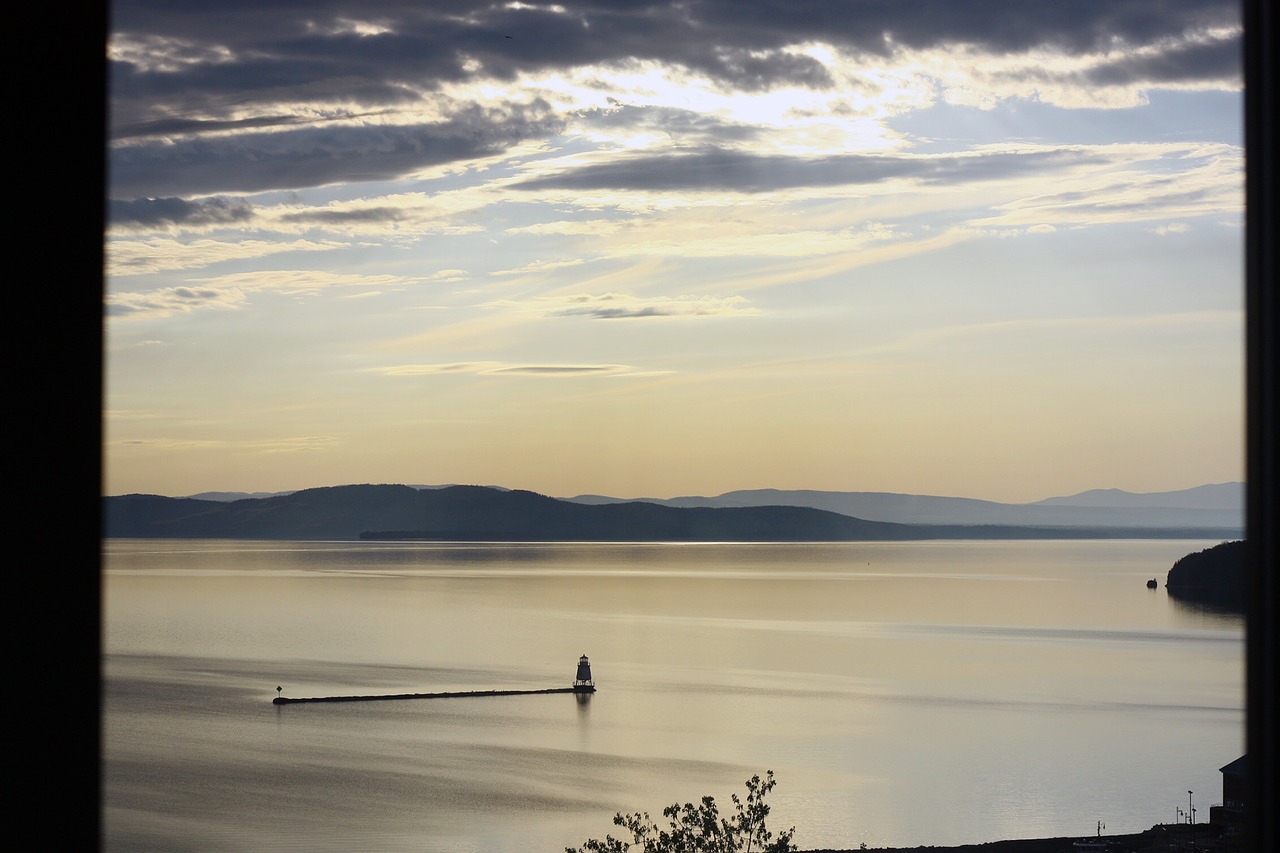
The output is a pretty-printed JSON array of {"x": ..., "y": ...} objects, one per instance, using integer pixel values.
[
  {"x": 288, "y": 700},
  {"x": 582, "y": 684}
]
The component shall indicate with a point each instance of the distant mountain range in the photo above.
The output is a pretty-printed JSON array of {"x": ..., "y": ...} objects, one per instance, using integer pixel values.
[
  {"x": 491, "y": 513},
  {"x": 1220, "y": 505}
]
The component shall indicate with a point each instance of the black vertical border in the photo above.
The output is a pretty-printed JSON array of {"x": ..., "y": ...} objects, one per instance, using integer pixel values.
[{"x": 1263, "y": 511}]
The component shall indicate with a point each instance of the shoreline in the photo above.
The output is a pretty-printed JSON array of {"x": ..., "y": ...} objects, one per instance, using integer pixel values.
[{"x": 1160, "y": 837}]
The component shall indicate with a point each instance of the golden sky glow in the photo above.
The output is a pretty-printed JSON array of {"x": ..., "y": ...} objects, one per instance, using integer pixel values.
[{"x": 674, "y": 250}]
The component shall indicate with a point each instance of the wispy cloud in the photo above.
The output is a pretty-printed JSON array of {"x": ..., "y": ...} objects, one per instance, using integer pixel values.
[
  {"x": 615, "y": 306},
  {"x": 558, "y": 370},
  {"x": 135, "y": 257},
  {"x": 233, "y": 291},
  {"x": 293, "y": 444},
  {"x": 494, "y": 368},
  {"x": 750, "y": 173}
]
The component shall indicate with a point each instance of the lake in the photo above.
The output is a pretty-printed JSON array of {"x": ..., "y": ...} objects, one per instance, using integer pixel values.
[{"x": 905, "y": 693}]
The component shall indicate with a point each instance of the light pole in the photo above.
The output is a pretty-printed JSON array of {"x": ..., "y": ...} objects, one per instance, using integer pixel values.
[{"x": 1191, "y": 818}]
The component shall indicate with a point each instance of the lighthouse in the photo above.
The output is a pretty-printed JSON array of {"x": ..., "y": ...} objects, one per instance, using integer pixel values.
[{"x": 582, "y": 682}]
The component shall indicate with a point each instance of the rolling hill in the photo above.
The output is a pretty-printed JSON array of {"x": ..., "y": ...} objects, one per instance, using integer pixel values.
[{"x": 481, "y": 513}]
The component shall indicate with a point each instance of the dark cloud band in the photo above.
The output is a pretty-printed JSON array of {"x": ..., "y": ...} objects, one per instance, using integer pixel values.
[
  {"x": 159, "y": 212},
  {"x": 725, "y": 170},
  {"x": 316, "y": 155},
  {"x": 198, "y": 89}
]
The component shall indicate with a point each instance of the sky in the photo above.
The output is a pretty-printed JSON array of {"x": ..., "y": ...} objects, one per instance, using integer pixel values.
[{"x": 647, "y": 249}]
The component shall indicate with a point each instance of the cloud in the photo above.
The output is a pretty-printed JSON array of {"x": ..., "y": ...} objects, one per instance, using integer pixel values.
[
  {"x": 540, "y": 266},
  {"x": 381, "y": 217},
  {"x": 1205, "y": 319},
  {"x": 216, "y": 98},
  {"x": 232, "y": 291},
  {"x": 349, "y": 216},
  {"x": 490, "y": 368},
  {"x": 558, "y": 370},
  {"x": 460, "y": 367},
  {"x": 735, "y": 171},
  {"x": 373, "y": 45},
  {"x": 1208, "y": 59},
  {"x": 159, "y": 212},
  {"x": 169, "y": 300},
  {"x": 614, "y": 306},
  {"x": 292, "y": 444},
  {"x": 315, "y": 156},
  {"x": 126, "y": 257},
  {"x": 1205, "y": 181},
  {"x": 671, "y": 122}
]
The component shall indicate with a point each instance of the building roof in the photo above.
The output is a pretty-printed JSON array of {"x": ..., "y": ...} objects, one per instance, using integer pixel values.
[{"x": 1236, "y": 767}]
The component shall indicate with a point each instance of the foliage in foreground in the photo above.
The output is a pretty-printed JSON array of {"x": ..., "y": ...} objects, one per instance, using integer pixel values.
[{"x": 700, "y": 828}]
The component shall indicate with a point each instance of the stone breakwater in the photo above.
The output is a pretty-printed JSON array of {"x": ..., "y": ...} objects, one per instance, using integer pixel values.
[{"x": 289, "y": 700}]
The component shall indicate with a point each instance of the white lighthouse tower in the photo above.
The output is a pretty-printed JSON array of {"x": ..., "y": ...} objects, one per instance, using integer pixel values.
[{"x": 582, "y": 682}]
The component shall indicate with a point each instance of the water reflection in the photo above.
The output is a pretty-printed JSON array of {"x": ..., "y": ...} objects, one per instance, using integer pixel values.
[{"x": 904, "y": 693}]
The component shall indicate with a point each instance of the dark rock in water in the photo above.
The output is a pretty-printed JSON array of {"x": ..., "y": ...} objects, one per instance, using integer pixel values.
[{"x": 1216, "y": 577}]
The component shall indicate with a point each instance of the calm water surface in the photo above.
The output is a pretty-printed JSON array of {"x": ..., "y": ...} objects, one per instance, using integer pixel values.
[{"x": 903, "y": 693}]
